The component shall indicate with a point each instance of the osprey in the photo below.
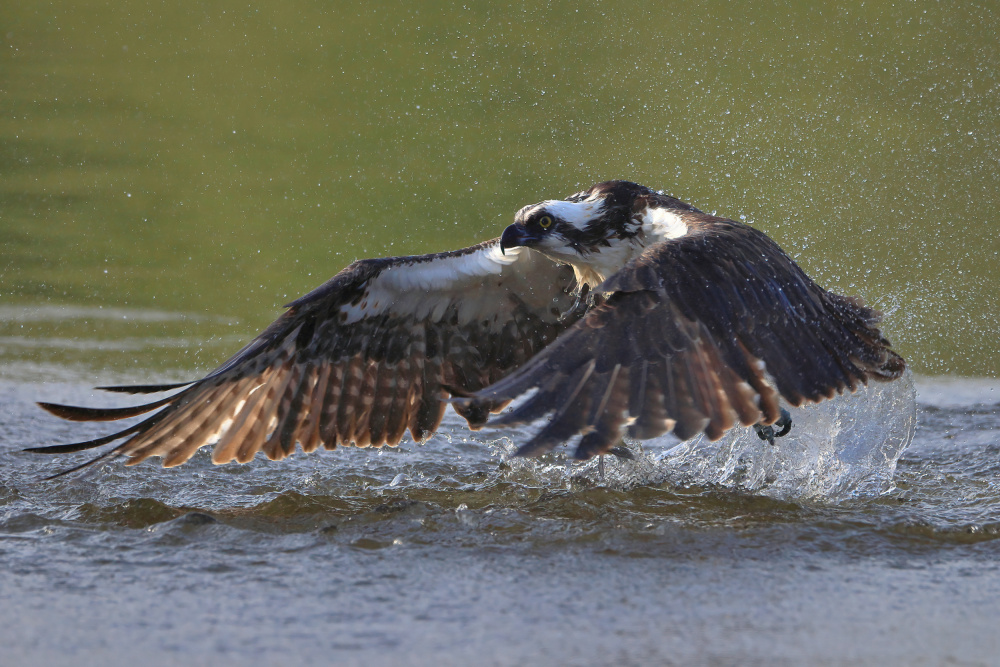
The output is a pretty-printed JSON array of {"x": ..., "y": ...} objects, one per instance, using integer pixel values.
[{"x": 625, "y": 311}]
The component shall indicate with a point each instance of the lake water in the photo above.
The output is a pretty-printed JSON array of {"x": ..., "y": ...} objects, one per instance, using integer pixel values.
[
  {"x": 449, "y": 553},
  {"x": 169, "y": 176}
]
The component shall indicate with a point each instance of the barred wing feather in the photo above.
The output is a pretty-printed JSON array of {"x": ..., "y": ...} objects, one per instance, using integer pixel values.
[{"x": 372, "y": 353}]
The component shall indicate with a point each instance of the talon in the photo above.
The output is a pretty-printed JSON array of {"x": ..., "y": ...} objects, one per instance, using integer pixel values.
[
  {"x": 765, "y": 432},
  {"x": 768, "y": 432},
  {"x": 785, "y": 422}
]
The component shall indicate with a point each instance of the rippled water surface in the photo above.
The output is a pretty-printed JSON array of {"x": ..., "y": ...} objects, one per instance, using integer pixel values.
[{"x": 449, "y": 553}]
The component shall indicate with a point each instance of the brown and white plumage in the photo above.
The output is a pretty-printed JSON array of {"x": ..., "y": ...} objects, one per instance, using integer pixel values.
[
  {"x": 358, "y": 361},
  {"x": 695, "y": 323}
]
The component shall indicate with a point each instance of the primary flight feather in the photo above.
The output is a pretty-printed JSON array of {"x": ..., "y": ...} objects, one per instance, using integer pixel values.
[{"x": 628, "y": 311}]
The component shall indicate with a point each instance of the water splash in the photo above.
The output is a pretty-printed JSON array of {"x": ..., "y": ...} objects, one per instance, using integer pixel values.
[{"x": 838, "y": 449}]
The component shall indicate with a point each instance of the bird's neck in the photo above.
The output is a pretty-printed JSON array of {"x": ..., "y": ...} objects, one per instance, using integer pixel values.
[
  {"x": 653, "y": 225},
  {"x": 597, "y": 266}
]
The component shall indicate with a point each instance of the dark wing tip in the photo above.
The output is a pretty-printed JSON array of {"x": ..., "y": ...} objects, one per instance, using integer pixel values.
[
  {"x": 89, "y": 444},
  {"x": 76, "y": 468},
  {"x": 892, "y": 369},
  {"x": 81, "y": 414},
  {"x": 144, "y": 388}
]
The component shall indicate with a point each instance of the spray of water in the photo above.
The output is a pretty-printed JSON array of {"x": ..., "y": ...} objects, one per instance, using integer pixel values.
[{"x": 837, "y": 450}]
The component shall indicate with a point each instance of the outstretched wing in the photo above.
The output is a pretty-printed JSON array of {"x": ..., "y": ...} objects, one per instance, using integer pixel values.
[
  {"x": 700, "y": 332},
  {"x": 358, "y": 361}
]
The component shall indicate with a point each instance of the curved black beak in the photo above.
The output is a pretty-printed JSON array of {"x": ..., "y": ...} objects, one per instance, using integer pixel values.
[{"x": 515, "y": 235}]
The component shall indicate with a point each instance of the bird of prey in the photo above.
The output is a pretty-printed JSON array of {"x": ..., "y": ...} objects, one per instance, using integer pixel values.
[{"x": 620, "y": 310}]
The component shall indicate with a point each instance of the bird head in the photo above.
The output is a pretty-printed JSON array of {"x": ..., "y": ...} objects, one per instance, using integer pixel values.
[
  {"x": 580, "y": 224},
  {"x": 586, "y": 230}
]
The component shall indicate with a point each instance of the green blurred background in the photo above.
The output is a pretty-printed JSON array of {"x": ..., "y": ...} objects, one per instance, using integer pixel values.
[{"x": 172, "y": 173}]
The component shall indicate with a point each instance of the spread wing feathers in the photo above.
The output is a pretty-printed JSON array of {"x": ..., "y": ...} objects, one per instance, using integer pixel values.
[
  {"x": 359, "y": 361},
  {"x": 699, "y": 333}
]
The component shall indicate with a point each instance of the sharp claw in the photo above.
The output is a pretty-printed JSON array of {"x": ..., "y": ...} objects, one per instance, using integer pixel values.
[
  {"x": 784, "y": 422},
  {"x": 764, "y": 433},
  {"x": 768, "y": 432}
]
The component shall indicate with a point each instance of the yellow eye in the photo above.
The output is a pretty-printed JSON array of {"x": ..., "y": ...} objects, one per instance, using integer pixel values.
[{"x": 545, "y": 221}]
